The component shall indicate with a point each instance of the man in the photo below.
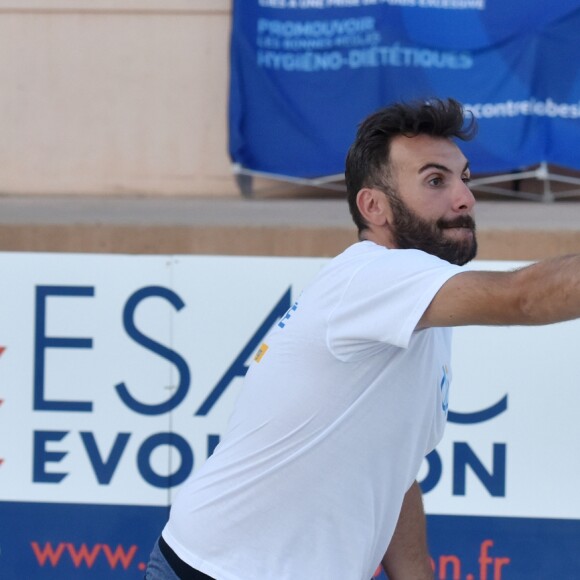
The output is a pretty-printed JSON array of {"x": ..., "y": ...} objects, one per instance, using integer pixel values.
[{"x": 315, "y": 479}]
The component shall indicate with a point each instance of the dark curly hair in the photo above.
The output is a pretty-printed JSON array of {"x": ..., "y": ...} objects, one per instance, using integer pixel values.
[{"x": 367, "y": 161}]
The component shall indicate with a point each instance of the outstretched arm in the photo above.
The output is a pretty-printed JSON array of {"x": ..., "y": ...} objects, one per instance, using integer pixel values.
[
  {"x": 543, "y": 293},
  {"x": 407, "y": 557}
]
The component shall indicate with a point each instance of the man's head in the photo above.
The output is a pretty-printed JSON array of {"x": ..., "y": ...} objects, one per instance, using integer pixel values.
[{"x": 406, "y": 179}]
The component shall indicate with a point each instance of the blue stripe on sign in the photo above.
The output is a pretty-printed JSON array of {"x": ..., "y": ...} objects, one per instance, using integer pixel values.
[{"x": 49, "y": 541}]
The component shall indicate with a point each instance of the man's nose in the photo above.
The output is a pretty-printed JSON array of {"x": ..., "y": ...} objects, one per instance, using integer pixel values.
[{"x": 464, "y": 198}]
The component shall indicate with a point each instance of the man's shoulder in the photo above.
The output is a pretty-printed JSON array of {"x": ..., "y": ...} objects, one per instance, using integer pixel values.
[{"x": 367, "y": 251}]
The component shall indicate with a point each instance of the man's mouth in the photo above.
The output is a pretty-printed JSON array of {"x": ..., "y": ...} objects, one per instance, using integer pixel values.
[
  {"x": 460, "y": 223},
  {"x": 459, "y": 228}
]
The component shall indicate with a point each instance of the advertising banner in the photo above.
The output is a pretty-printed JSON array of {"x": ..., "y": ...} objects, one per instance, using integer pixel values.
[
  {"x": 304, "y": 73},
  {"x": 118, "y": 375}
]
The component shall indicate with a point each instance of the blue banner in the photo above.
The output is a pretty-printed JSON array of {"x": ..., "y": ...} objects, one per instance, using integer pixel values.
[{"x": 304, "y": 73}]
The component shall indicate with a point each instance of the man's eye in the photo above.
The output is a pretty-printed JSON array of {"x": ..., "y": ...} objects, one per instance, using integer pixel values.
[
  {"x": 466, "y": 178},
  {"x": 435, "y": 181}
]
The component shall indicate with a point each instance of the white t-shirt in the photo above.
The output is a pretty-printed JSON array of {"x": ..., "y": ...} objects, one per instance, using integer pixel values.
[{"x": 329, "y": 431}]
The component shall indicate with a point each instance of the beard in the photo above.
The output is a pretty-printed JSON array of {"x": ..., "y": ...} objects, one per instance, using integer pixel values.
[{"x": 413, "y": 232}]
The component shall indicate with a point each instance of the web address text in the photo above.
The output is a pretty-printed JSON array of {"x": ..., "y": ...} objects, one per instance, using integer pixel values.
[{"x": 527, "y": 107}]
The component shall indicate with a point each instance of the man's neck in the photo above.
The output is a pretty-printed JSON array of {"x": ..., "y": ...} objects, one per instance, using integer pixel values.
[{"x": 381, "y": 237}]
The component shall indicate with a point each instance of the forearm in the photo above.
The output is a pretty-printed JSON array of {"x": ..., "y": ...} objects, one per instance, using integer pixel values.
[
  {"x": 542, "y": 293},
  {"x": 551, "y": 290},
  {"x": 407, "y": 557}
]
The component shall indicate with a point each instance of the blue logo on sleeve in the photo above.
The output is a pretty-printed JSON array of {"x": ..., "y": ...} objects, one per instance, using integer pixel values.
[{"x": 288, "y": 314}]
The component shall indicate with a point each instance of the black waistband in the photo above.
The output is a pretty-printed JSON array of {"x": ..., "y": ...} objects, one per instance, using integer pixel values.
[{"x": 184, "y": 571}]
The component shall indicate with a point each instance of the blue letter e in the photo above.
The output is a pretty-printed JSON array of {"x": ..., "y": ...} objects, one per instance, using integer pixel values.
[{"x": 42, "y": 342}]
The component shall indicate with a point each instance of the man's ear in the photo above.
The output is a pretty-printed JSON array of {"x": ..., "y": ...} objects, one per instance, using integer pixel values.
[{"x": 374, "y": 206}]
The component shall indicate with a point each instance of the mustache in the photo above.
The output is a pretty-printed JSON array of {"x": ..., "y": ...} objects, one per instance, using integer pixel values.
[{"x": 465, "y": 221}]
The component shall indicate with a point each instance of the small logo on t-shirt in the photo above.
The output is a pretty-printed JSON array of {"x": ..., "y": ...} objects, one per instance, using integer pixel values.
[{"x": 444, "y": 384}]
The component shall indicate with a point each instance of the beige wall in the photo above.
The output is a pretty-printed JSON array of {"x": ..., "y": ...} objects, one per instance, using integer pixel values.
[{"x": 114, "y": 96}]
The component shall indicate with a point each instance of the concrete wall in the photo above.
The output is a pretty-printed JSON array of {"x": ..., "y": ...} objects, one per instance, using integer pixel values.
[{"x": 114, "y": 96}]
